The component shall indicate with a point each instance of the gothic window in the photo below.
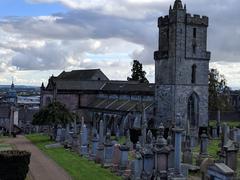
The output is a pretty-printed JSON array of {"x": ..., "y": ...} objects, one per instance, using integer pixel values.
[
  {"x": 194, "y": 69},
  {"x": 193, "y": 110},
  {"x": 194, "y": 32}
]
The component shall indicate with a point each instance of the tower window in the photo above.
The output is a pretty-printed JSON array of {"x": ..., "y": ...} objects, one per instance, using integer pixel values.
[
  {"x": 194, "y": 69},
  {"x": 194, "y": 49},
  {"x": 194, "y": 32}
]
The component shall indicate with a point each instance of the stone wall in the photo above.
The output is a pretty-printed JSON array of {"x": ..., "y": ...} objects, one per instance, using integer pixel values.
[{"x": 70, "y": 100}]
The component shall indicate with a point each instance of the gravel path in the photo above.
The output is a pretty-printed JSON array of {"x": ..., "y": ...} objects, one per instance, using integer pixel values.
[{"x": 41, "y": 167}]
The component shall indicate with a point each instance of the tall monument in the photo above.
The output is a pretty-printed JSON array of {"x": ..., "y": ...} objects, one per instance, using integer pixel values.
[{"x": 181, "y": 69}]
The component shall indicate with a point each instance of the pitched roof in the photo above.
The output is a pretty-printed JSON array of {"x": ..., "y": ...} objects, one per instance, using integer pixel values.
[
  {"x": 79, "y": 85},
  {"x": 127, "y": 86},
  {"x": 79, "y": 75},
  {"x": 118, "y": 104}
]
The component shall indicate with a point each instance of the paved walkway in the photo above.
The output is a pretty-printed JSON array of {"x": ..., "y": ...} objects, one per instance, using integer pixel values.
[{"x": 41, "y": 167}]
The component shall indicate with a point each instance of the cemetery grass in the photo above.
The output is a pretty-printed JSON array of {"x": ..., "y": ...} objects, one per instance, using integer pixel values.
[
  {"x": 229, "y": 123},
  {"x": 78, "y": 167},
  {"x": 213, "y": 148}
]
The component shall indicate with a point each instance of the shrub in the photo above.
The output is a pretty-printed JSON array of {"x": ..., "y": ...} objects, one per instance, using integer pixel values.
[{"x": 14, "y": 164}]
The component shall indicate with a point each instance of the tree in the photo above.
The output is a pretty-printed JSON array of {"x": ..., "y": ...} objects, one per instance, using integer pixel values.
[
  {"x": 53, "y": 114},
  {"x": 219, "y": 92},
  {"x": 137, "y": 73}
]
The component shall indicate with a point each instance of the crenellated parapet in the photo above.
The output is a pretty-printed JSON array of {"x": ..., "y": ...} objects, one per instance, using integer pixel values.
[
  {"x": 163, "y": 21},
  {"x": 196, "y": 20}
]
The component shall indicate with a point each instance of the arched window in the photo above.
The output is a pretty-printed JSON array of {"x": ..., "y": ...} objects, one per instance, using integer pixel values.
[
  {"x": 193, "y": 110},
  {"x": 194, "y": 70}
]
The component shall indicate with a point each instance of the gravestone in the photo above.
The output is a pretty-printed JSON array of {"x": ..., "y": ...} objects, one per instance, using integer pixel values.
[
  {"x": 116, "y": 158},
  {"x": 100, "y": 148},
  {"x": 238, "y": 136},
  {"x": 148, "y": 157},
  {"x": 70, "y": 140},
  {"x": 75, "y": 142},
  {"x": 178, "y": 149},
  {"x": 108, "y": 151},
  {"x": 124, "y": 149},
  {"x": 62, "y": 138},
  {"x": 129, "y": 142},
  {"x": 161, "y": 152},
  {"x": 220, "y": 171},
  {"x": 84, "y": 141},
  {"x": 187, "y": 154},
  {"x": 137, "y": 163},
  {"x": 214, "y": 133},
  {"x": 225, "y": 133},
  {"x": 95, "y": 141},
  {"x": 171, "y": 154},
  {"x": 231, "y": 151},
  {"x": 203, "y": 149},
  {"x": 59, "y": 133}
]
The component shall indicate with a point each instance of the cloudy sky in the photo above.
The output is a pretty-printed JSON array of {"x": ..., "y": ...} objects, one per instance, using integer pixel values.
[{"x": 39, "y": 38}]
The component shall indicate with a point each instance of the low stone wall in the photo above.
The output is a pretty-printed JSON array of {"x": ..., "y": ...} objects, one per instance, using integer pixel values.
[{"x": 225, "y": 116}]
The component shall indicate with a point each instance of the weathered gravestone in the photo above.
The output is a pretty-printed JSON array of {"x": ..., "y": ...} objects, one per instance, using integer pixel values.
[
  {"x": 231, "y": 151},
  {"x": 84, "y": 141},
  {"x": 148, "y": 157},
  {"x": 124, "y": 149},
  {"x": 108, "y": 151},
  {"x": 220, "y": 171},
  {"x": 95, "y": 141},
  {"x": 161, "y": 152},
  {"x": 203, "y": 149},
  {"x": 137, "y": 163},
  {"x": 214, "y": 133},
  {"x": 116, "y": 158},
  {"x": 100, "y": 148},
  {"x": 187, "y": 154},
  {"x": 59, "y": 133}
]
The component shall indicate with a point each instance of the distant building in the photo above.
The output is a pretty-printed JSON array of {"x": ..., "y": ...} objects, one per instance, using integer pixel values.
[
  {"x": 16, "y": 112},
  {"x": 9, "y": 111}
]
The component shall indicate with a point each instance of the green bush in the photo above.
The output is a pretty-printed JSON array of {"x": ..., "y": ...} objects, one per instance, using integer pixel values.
[{"x": 14, "y": 164}]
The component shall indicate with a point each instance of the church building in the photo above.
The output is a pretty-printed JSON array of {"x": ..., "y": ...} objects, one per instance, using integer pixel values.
[{"x": 178, "y": 97}]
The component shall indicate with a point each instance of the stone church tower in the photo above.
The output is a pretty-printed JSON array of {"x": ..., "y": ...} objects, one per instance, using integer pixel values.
[{"x": 181, "y": 69}]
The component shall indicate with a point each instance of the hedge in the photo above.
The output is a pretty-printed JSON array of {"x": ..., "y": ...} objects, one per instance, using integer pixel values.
[{"x": 14, "y": 164}]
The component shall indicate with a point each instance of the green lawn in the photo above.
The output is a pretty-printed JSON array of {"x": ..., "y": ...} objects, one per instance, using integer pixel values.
[
  {"x": 229, "y": 123},
  {"x": 78, "y": 168},
  {"x": 5, "y": 147}
]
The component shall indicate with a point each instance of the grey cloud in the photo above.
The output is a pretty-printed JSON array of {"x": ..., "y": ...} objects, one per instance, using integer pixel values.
[
  {"x": 81, "y": 25},
  {"x": 48, "y": 57}
]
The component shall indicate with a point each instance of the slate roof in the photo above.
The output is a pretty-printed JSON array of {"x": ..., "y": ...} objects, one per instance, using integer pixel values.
[
  {"x": 79, "y": 85},
  {"x": 79, "y": 75},
  {"x": 128, "y": 86},
  {"x": 117, "y": 104},
  {"x": 85, "y": 80}
]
